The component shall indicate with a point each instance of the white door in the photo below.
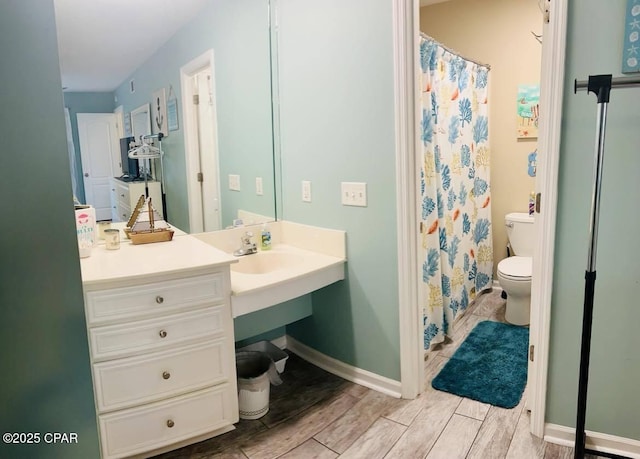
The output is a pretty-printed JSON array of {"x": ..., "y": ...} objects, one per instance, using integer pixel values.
[
  {"x": 100, "y": 154},
  {"x": 119, "y": 111},
  {"x": 201, "y": 146},
  {"x": 208, "y": 151}
]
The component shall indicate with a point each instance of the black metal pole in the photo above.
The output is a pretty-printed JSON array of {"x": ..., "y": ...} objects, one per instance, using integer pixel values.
[
  {"x": 585, "y": 349},
  {"x": 601, "y": 86}
]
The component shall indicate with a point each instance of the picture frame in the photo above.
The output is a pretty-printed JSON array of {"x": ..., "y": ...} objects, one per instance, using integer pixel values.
[
  {"x": 528, "y": 111},
  {"x": 127, "y": 124},
  {"x": 159, "y": 113},
  {"x": 631, "y": 44},
  {"x": 172, "y": 114}
]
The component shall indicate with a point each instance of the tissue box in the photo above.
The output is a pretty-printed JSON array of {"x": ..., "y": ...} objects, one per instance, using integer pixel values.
[{"x": 86, "y": 226}]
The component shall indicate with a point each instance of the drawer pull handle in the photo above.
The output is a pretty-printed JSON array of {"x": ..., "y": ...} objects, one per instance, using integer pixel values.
[
  {"x": 159, "y": 299},
  {"x": 170, "y": 423},
  {"x": 163, "y": 333},
  {"x": 122, "y": 195},
  {"x": 166, "y": 375}
]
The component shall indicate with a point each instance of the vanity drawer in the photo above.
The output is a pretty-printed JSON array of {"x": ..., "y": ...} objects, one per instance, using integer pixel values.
[
  {"x": 153, "y": 426},
  {"x": 124, "y": 212},
  {"x": 114, "y": 341},
  {"x": 122, "y": 194},
  {"x": 132, "y": 381},
  {"x": 123, "y": 304}
]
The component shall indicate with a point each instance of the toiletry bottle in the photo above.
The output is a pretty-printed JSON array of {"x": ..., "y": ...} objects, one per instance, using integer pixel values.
[
  {"x": 532, "y": 202},
  {"x": 265, "y": 238}
]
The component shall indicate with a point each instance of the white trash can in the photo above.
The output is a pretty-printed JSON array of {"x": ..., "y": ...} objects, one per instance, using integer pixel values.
[
  {"x": 256, "y": 372},
  {"x": 278, "y": 356}
]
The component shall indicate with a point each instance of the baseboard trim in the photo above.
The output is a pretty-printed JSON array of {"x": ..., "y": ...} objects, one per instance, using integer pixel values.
[
  {"x": 350, "y": 373},
  {"x": 496, "y": 285},
  {"x": 565, "y": 436}
]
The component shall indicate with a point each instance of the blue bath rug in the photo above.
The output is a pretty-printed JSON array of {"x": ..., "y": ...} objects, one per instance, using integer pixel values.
[{"x": 489, "y": 366}]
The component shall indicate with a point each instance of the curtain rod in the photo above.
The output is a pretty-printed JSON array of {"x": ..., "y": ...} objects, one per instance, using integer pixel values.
[{"x": 453, "y": 51}]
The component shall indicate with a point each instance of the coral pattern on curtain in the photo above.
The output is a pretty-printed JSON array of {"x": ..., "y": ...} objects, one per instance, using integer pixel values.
[{"x": 456, "y": 251}]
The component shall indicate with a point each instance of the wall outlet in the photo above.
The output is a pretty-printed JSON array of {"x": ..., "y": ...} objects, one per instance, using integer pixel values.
[
  {"x": 354, "y": 194},
  {"x": 259, "y": 190},
  {"x": 306, "y": 191},
  {"x": 234, "y": 182}
]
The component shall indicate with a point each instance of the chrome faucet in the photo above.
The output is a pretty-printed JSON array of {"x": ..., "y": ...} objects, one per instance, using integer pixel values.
[{"x": 248, "y": 246}]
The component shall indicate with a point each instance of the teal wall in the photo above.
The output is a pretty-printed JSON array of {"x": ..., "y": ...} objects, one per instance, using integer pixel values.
[
  {"x": 238, "y": 32},
  {"x": 337, "y": 124},
  {"x": 85, "y": 102},
  {"x": 270, "y": 320},
  {"x": 46, "y": 381},
  {"x": 270, "y": 335},
  {"x": 594, "y": 45}
]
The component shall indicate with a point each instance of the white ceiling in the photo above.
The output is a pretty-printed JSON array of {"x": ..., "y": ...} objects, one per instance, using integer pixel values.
[{"x": 101, "y": 42}]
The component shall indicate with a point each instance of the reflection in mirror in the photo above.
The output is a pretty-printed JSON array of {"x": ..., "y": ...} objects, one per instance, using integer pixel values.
[
  {"x": 140, "y": 121},
  {"x": 234, "y": 140}
]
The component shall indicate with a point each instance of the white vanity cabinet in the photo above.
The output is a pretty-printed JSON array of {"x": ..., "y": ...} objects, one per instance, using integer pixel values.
[
  {"x": 125, "y": 195},
  {"x": 162, "y": 346}
]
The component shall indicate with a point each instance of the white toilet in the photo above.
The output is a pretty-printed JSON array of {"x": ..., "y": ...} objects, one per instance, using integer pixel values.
[{"x": 514, "y": 273}]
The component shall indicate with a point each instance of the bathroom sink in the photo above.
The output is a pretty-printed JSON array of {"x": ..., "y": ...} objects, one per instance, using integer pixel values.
[
  {"x": 266, "y": 262},
  {"x": 302, "y": 260}
]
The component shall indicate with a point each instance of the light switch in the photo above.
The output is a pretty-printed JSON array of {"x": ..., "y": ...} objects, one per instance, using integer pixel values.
[
  {"x": 354, "y": 194},
  {"x": 259, "y": 190},
  {"x": 234, "y": 182},
  {"x": 306, "y": 191}
]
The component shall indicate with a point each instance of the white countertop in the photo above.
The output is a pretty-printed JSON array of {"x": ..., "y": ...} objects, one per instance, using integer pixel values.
[{"x": 137, "y": 262}]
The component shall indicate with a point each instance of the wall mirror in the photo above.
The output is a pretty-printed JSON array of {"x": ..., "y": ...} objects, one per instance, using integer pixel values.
[{"x": 237, "y": 33}]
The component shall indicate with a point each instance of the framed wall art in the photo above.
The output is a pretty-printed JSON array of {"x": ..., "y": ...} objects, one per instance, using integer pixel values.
[
  {"x": 631, "y": 46},
  {"x": 159, "y": 113},
  {"x": 172, "y": 111},
  {"x": 528, "y": 111}
]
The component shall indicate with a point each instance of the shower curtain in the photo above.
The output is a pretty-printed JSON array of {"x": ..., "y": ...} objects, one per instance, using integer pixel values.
[{"x": 456, "y": 247}]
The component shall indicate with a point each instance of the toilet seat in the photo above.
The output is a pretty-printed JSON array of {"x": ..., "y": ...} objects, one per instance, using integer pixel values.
[{"x": 516, "y": 268}]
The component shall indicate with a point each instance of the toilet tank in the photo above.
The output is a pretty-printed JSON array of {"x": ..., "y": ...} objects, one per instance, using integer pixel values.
[{"x": 520, "y": 233}]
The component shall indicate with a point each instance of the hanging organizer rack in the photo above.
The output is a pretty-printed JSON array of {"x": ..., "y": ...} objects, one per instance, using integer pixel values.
[
  {"x": 601, "y": 86},
  {"x": 148, "y": 152}
]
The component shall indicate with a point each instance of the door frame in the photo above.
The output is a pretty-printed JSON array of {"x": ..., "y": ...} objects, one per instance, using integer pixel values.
[
  {"x": 406, "y": 31},
  {"x": 551, "y": 95},
  {"x": 192, "y": 154}
]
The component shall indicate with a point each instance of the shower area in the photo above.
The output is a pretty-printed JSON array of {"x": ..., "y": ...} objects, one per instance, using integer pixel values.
[{"x": 455, "y": 242}]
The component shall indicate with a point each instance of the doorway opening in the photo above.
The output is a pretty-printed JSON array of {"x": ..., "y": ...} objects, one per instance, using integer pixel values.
[
  {"x": 506, "y": 37},
  {"x": 201, "y": 146},
  {"x": 551, "y": 81}
]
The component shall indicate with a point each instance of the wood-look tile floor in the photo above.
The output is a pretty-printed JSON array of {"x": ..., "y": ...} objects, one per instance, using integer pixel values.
[{"x": 315, "y": 414}]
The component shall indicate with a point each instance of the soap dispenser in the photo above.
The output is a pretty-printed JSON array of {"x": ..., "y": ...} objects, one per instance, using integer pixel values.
[{"x": 265, "y": 238}]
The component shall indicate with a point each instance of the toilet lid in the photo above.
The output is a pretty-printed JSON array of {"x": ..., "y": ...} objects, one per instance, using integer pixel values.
[{"x": 516, "y": 266}]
